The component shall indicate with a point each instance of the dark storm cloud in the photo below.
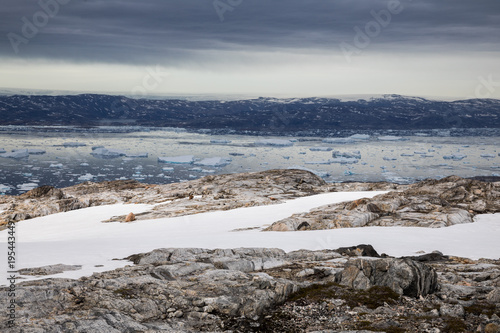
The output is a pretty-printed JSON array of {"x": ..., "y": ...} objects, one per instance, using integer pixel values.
[{"x": 184, "y": 31}]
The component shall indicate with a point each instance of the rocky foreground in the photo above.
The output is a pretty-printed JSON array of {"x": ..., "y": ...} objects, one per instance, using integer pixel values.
[{"x": 268, "y": 290}]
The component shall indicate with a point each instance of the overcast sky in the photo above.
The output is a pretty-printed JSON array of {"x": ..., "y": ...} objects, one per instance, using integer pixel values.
[{"x": 447, "y": 48}]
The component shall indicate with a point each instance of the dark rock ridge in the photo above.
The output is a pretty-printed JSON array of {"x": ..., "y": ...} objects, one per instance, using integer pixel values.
[
  {"x": 264, "y": 115},
  {"x": 264, "y": 290},
  {"x": 430, "y": 203}
]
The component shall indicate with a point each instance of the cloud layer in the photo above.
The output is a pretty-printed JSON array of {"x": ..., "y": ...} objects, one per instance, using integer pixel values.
[
  {"x": 255, "y": 35},
  {"x": 173, "y": 32}
]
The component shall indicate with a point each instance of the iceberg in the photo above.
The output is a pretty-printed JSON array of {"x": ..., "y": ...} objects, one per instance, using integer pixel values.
[
  {"x": 274, "y": 143},
  {"x": 86, "y": 177},
  {"x": 26, "y": 186},
  {"x": 354, "y": 154},
  {"x": 386, "y": 158},
  {"x": 2, "y": 150},
  {"x": 137, "y": 155},
  {"x": 74, "y": 144},
  {"x": 168, "y": 169},
  {"x": 214, "y": 161},
  {"x": 339, "y": 140},
  {"x": 56, "y": 165},
  {"x": 454, "y": 157},
  {"x": 236, "y": 154},
  {"x": 406, "y": 155},
  {"x": 391, "y": 138},
  {"x": 185, "y": 159},
  {"x": 4, "y": 188},
  {"x": 321, "y": 149},
  {"x": 360, "y": 137},
  {"x": 36, "y": 151},
  {"x": 488, "y": 156},
  {"x": 220, "y": 141},
  {"x": 105, "y": 153},
  {"x": 16, "y": 154}
]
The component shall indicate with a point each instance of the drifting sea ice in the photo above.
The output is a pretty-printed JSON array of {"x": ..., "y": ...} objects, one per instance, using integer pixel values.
[
  {"x": 36, "y": 151},
  {"x": 220, "y": 141},
  {"x": 105, "y": 153},
  {"x": 26, "y": 186},
  {"x": 355, "y": 154},
  {"x": 454, "y": 157},
  {"x": 185, "y": 159},
  {"x": 86, "y": 177},
  {"x": 4, "y": 188},
  {"x": 74, "y": 144},
  {"x": 16, "y": 154},
  {"x": 321, "y": 149},
  {"x": 274, "y": 143},
  {"x": 344, "y": 160},
  {"x": 360, "y": 137},
  {"x": 391, "y": 138},
  {"x": 339, "y": 140},
  {"x": 56, "y": 165},
  {"x": 137, "y": 155}
]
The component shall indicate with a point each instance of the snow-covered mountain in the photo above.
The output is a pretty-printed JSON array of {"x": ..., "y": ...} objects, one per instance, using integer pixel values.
[{"x": 271, "y": 115}]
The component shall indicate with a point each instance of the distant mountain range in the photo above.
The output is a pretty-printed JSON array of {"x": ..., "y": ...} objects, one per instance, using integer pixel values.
[{"x": 264, "y": 115}]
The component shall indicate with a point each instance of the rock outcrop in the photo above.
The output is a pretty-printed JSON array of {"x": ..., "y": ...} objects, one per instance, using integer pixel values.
[
  {"x": 221, "y": 192},
  {"x": 264, "y": 290},
  {"x": 430, "y": 203},
  {"x": 404, "y": 276}
]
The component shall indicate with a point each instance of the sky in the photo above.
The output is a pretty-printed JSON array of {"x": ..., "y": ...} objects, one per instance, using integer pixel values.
[{"x": 294, "y": 48}]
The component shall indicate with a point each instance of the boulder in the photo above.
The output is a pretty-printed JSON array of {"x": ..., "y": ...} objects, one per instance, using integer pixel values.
[{"x": 404, "y": 276}]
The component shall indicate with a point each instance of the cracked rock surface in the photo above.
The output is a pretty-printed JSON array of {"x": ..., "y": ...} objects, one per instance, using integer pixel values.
[
  {"x": 430, "y": 203},
  {"x": 267, "y": 290}
]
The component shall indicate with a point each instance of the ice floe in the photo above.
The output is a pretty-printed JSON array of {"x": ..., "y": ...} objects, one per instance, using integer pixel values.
[
  {"x": 360, "y": 137},
  {"x": 338, "y": 154},
  {"x": 74, "y": 144},
  {"x": 27, "y": 186},
  {"x": 214, "y": 161},
  {"x": 4, "y": 188},
  {"x": 34, "y": 151},
  {"x": 105, "y": 153},
  {"x": 339, "y": 140},
  {"x": 274, "y": 143},
  {"x": 321, "y": 149},
  {"x": 185, "y": 159},
  {"x": 86, "y": 177},
  {"x": 454, "y": 157},
  {"x": 16, "y": 154},
  {"x": 391, "y": 138},
  {"x": 220, "y": 141}
]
